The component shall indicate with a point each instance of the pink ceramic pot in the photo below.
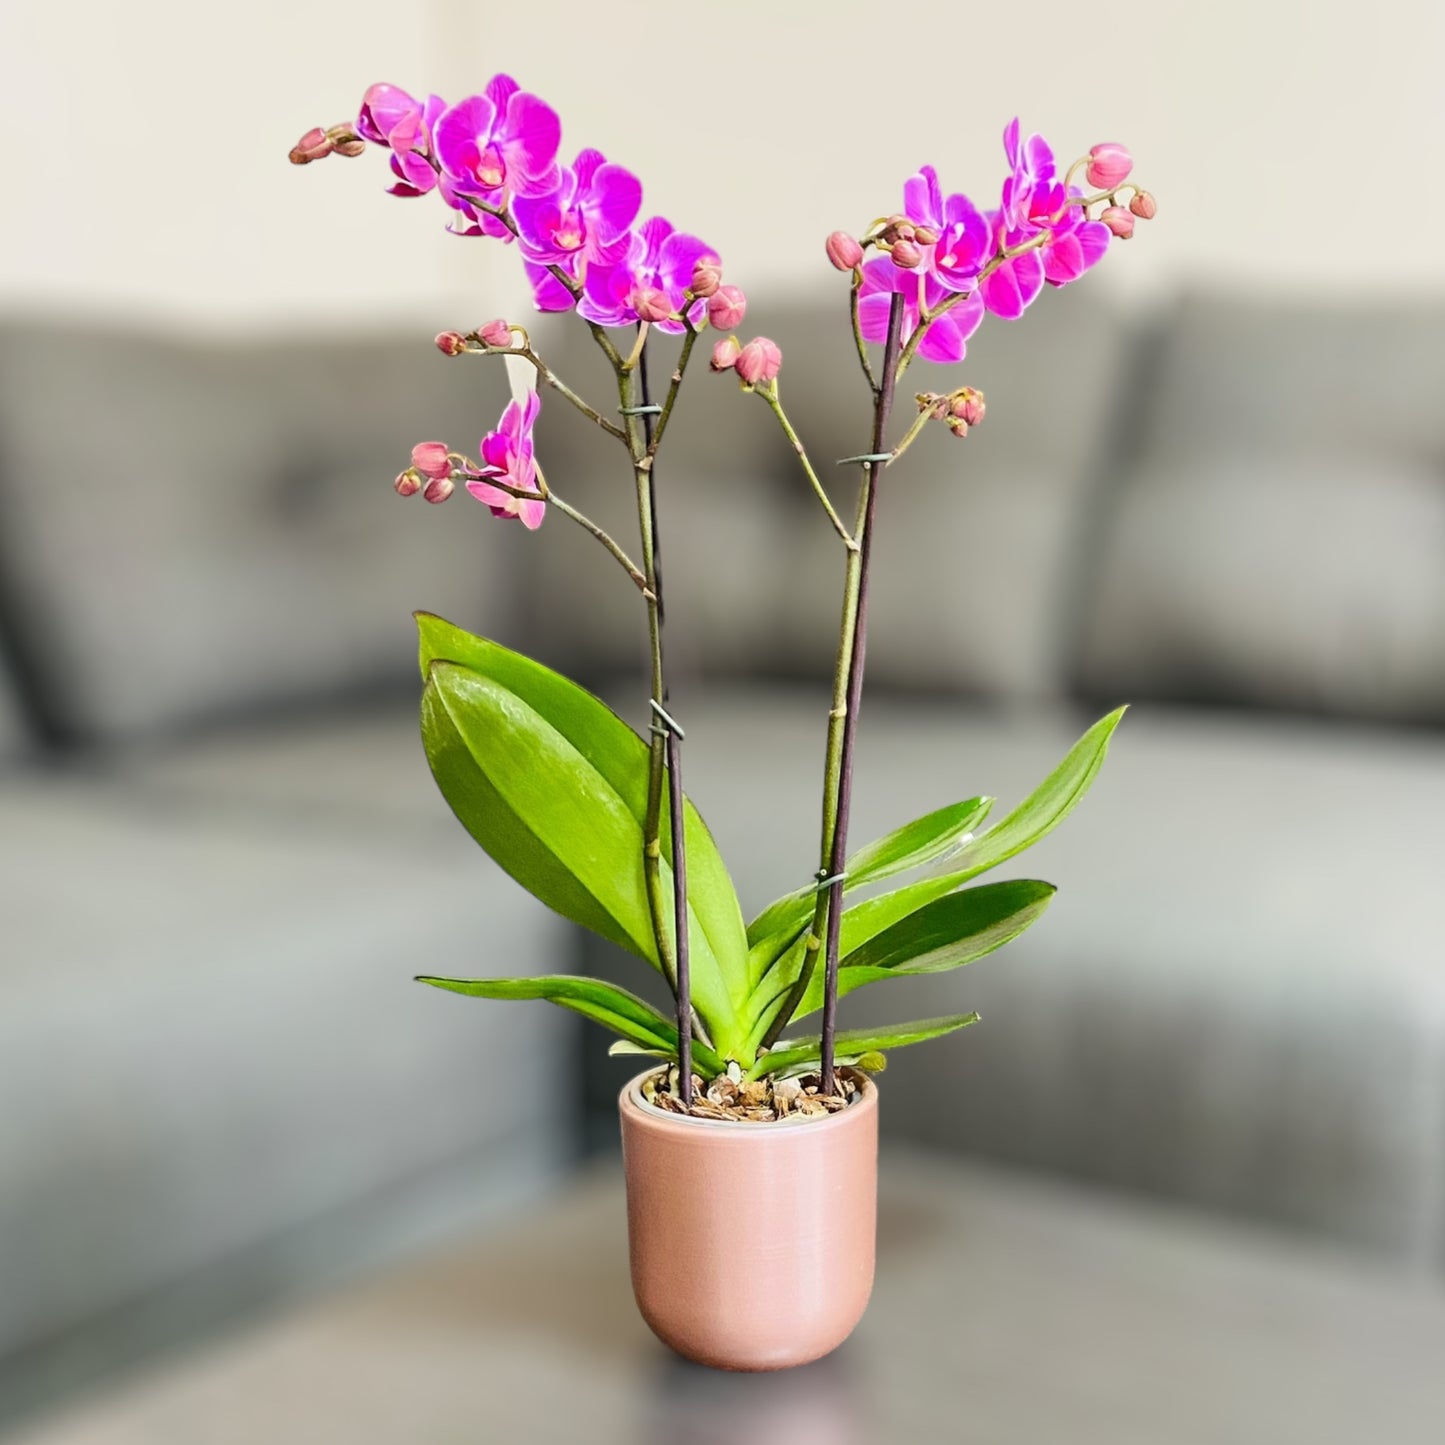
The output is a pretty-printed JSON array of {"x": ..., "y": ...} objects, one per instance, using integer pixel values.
[{"x": 752, "y": 1244}]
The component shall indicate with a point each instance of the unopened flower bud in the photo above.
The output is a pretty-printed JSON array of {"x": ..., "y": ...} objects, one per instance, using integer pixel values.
[
  {"x": 925, "y": 235},
  {"x": 1109, "y": 165},
  {"x": 496, "y": 333},
  {"x": 758, "y": 361},
  {"x": 706, "y": 277},
  {"x": 968, "y": 406},
  {"x": 652, "y": 304},
  {"x": 439, "y": 489},
  {"x": 906, "y": 255},
  {"x": 311, "y": 147},
  {"x": 451, "y": 343},
  {"x": 898, "y": 228},
  {"x": 958, "y": 427},
  {"x": 1143, "y": 205},
  {"x": 431, "y": 459},
  {"x": 726, "y": 308},
  {"x": 844, "y": 252},
  {"x": 1119, "y": 221},
  {"x": 407, "y": 484},
  {"x": 725, "y": 354}
]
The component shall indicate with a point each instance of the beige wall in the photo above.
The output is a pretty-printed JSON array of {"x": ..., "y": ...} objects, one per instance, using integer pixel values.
[{"x": 146, "y": 143}]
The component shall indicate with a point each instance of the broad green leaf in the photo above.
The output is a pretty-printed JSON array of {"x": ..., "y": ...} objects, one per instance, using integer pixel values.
[
  {"x": 851, "y": 1045},
  {"x": 925, "y": 840},
  {"x": 948, "y": 933},
  {"x": 1042, "y": 811},
  {"x": 620, "y": 756},
  {"x": 641, "y": 1025},
  {"x": 1038, "y": 815},
  {"x": 556, "y": 823}
]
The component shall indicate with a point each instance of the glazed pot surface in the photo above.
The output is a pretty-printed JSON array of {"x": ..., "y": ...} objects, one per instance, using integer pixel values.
[{"x": 752, "y": 1244}]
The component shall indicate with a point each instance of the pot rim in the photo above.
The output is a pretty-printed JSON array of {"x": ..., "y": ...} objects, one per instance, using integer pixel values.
[{"x": 630, "y": 1100}]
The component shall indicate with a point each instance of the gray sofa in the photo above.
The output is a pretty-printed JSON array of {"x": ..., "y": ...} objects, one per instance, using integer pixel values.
[{"x": 223, "y": 858}]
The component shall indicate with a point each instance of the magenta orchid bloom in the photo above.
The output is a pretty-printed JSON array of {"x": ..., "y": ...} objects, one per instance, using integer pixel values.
[
  {"x": 946, "y": 339},
  {"x": 507, "y": 456},
  {"x": 392, "y": 118},
  {"x": 1014, "y": 285},
  {"x": 660, "y": 258},
  {"x": 963, "y": 246},
  {"x": 585, "y": 219},
  {"x": 1075, "y": 245},
  {"x": 548, "y": 293},
  {"x": 499, "y": 144},
  {"x": 1030, "y": 193}
]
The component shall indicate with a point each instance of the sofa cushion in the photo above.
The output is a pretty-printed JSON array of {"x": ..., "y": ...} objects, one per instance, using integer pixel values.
[
  {"x": 1278, "y": 539},
  {"x": 754, "y": 571},
  {"x": 210, "y": 1016},
  {"x": 1272, "y": 580},
  {"x": 1230, "y": 1001},
  {"x": 1248, "y": 372},
  {"x": 223, "y": 534}
]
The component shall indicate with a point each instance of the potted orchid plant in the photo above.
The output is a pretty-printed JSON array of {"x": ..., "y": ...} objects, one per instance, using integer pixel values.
[{"x": 738, "y": 1101}]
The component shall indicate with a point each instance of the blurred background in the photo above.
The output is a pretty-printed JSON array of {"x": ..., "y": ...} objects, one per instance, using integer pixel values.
[{"x": 1211, "y": 482}]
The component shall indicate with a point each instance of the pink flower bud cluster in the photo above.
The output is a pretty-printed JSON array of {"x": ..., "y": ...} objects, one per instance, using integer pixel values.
[
  {"x": 430, "y": 473},
  {"x": 756, "y": 362},
  {"x": 966, "y": 409},
  {"x": 317, "y": 144}
]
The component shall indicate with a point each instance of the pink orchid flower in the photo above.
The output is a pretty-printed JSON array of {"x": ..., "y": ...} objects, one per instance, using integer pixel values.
[
  {"x": 1014, "y": 285},
  {"x": 660, "y": 258},
  {"x": 1074, "y": 245},
  {"x": 963, "y": 245},
  {"x": 507, "y": 456},
  {"x": 585, "y": 218},
  {"x": 499, "y": 144},
  {"x": 392, "y": 118},
  {"x": 947, "y": 337}
]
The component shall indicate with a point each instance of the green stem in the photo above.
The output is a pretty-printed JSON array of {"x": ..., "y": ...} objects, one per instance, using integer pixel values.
[
  {"x": 858, "y": 340},
  {"x": 770, "y": 395},
  {"x": 911, "y": 435},
  {"x": 664, "y": 754},
  {"x": 674, "y": 386},
  {"x": 842, "y": 717},
  {"x": 546, "y": 374},
  {"x": 838, "y": 860},
  {"x": 657, "y": 753},
  {"x": 544, "y": 493}
]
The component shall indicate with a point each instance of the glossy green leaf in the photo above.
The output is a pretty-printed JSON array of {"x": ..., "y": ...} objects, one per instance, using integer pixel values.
[
  {"x": 1037, "y": 816},
  {"x": 620, "y": 756},
  {"x": 948, "y": 933},
  {"x": 561, "y": 827},
  {"x": 851, "y": 1045},
  {"x": 641, "y": 1025},
  {"x": 925, "y": 840}
]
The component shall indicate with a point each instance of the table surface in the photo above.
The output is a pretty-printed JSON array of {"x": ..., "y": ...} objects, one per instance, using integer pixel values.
[{"x": 1006, "y": 1309}]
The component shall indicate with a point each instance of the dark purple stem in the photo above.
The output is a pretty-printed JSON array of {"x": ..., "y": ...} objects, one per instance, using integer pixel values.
[
  {"x": 674, "y": 786},
  {"x": 855, "y": 692}
]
